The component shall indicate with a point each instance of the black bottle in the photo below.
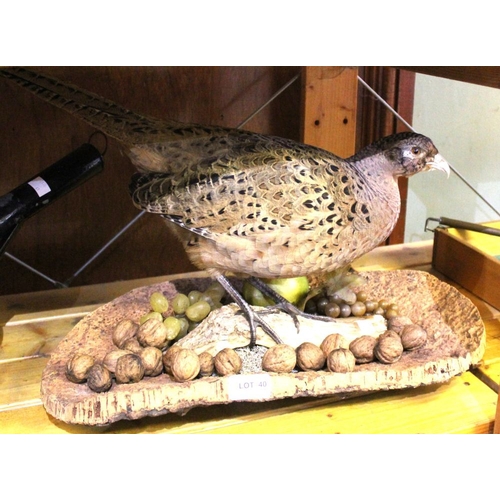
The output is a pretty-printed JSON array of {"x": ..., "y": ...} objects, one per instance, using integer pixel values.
[{"x": 50, "y": 184}]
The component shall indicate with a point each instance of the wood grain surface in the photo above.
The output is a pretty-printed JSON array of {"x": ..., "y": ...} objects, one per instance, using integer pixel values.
[{"x": 29, "y": 324}]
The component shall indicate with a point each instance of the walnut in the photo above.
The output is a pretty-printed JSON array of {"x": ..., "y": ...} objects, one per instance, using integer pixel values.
[
  {"x": 132, "y": 346},
  {"x": 333, "y": 341},
  {"x": 389, "y": 348},
  {"x": 397, "y": 323},
  {"x": 124, "y": 330},
  {"x": 341, "y": 360},
  {"x": 99, "y": 378},
  {"x": 280, "y": 358},
  {"x": 129, "y": 369},
  {"x": 185, "y": 365},
  {"x": 153, "y": 333},
  {"x": 310, "y": 357},
  {"x": 362, "y": 348},
  {"x": 206, "y": 364},
  {"x": 111, "y": 358},
  {"x": 227, "y": 362},
  {"x": 389, "y": 333},
  {"x": 167, "y": 358},
  {"x": 151, "y": 358},
  {"x": 78, "y": 368},
  {"x": 413, "y": 337}
]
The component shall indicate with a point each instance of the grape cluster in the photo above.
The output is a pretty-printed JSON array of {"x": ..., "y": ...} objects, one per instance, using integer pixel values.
[
  {"x": 357, "y": 304},
  {"x": 184, "y": 311}
]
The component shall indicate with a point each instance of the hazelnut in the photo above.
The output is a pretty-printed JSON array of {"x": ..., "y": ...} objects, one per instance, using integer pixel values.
[
  {"x": 206, "y": 364},
  {"x": 99, "y": 378},
  {"x": 167, "y": 358},
  {"x": 129, "y": 369},
  {"x": 397, "y": 323},
  {"x": 333, "y": 341},
  {"x": 151, "y": 358},
  {"x": 280, "y": 358},
  {"x": 124, "y": 330},
  {"x": 227, "y": 362},
  {"x": 153, "y": 333},
  {"x": 78, "y": 368},
  {"x": 132, "y": 346},
  {"x": 111, "y": 358},
  {"x": 341, "y": 360},
  {"x": 310, "y": 357},
  {"x": 362, "y": 348},
  {"x": 185, "y": 365},
  {"x": 388, "y": 349},
  {"x": 413, "y": 337}
]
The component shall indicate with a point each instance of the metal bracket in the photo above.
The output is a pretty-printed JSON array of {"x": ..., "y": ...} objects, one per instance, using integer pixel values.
[
  {"x": 427, "y": 228},
  {"x": 460, "y": 224}
]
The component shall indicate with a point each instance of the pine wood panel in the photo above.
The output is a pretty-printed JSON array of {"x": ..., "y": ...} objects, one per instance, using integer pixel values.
[{"x": 330, "y": 96}]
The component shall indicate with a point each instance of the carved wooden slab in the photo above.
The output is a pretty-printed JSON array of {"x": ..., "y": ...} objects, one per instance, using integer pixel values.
[{"x": 456, "y": 341}]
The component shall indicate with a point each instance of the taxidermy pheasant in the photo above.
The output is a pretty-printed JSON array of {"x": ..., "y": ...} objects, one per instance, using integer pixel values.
[{"x": 250, "y": 204}]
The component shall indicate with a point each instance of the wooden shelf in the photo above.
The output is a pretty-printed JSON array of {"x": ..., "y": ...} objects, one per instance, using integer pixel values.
[
  {"x": 489, "y": 76},
  {"x": 33, "y": 324}
]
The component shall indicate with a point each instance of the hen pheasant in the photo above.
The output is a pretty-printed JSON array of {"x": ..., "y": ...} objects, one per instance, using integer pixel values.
[{"x": 250, "y": 204}]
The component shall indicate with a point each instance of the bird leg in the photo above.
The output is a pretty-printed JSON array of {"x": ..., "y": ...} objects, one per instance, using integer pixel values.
[
  {"x": 252, "y": 316},
  {"x": 284, "y": 305}
]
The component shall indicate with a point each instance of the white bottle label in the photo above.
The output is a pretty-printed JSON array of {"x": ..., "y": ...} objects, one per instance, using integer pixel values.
[{"x": 40, "y": 186}]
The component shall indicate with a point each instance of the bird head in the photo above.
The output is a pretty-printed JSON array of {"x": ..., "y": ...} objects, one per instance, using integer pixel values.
[
  {"x": 406, "y": 154},
  {"x": 411, "y": 153}
]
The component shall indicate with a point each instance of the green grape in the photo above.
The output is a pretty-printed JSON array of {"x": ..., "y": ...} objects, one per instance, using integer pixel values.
[
  {"x": 207, "y": 298},
  {"x": 159, "y": 303},
  {"x": 180, "y": 303},
  {"x": 198, "y": 311},
  {"x": 151, "y": 315},
  {"x": 215, "y": 305},
  {"x": 184, "y": 327},
  {"x": 173, "y": 327},
  {"x": 216, "y": 291},
  {"x": 194, "y": 296}
]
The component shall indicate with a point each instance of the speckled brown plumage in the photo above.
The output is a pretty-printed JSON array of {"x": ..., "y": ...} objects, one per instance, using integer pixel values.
[
  {"x": 276, "y": 208},
  {"x": 251, "y": 204}
]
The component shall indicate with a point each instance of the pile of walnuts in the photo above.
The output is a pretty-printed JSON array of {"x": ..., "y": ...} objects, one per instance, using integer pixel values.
[
  {"x": 143, "y": 350},
  {"x": 337, "y": 355}
]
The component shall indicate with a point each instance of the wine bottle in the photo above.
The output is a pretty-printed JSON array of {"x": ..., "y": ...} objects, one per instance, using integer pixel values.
[{"x": 55, "y": 181}]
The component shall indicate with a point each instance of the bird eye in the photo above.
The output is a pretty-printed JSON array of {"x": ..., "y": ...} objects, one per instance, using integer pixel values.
[{"x": 415, "y": 150}]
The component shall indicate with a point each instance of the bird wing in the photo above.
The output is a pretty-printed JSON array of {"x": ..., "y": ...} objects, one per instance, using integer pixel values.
[{"x": 272, "y": 184}]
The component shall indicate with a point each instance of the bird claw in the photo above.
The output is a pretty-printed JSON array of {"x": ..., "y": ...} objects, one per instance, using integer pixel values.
[
  {"x": 294, "y": 313},
  {"x": 254, "y": 320},
  {"x": 283, "y": 305},
  {"x": 253, "y": 317},
  {"x": 287, "y": 308}
]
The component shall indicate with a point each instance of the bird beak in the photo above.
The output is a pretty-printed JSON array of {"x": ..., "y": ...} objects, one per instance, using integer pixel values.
[{"x": 439, "y": 163}]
